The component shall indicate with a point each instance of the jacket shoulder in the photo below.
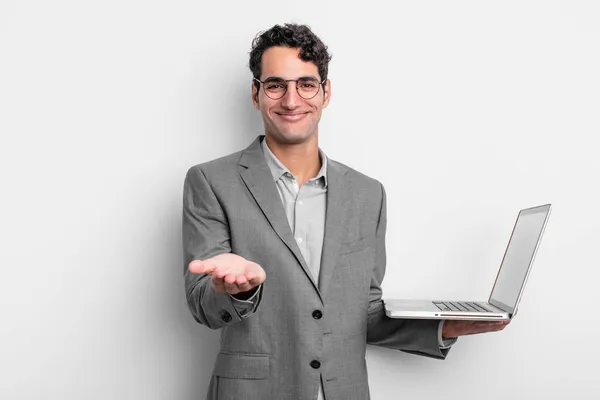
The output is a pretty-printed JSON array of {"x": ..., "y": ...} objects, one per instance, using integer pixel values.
[
  {"x": 358, "y": 179},
  {"x": 219, "y": 166}
]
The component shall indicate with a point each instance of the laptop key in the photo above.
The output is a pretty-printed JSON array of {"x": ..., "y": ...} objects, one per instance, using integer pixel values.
[
  {"x": 441, "y": 306},
  {"x": 461, "y": 306},
  {"x": 486, "y": 310},
  {"x": 480, "y": 308}
]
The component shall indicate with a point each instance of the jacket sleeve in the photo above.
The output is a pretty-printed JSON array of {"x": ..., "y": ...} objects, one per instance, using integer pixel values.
[
  {"x": 409, "y": 335},
  {"x": 246, "y": 308},
  {"x": 205, "y": 234}
]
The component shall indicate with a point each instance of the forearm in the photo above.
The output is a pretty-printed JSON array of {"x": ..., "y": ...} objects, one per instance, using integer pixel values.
[
  {"x": 413, "y": 336},
  {"x": 209, "y": 307}
]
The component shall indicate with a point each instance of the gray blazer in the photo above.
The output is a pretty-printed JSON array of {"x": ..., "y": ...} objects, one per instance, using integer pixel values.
[{"x": 301, "y": 332}]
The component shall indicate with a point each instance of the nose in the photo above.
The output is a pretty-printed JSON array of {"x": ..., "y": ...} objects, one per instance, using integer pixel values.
[{"x": 291, "y": 99}]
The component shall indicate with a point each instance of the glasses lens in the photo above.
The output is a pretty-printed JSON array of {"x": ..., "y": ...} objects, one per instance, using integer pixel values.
[
  {"x": 275, "y": 88},
  {"x": 308, "y": 88}
]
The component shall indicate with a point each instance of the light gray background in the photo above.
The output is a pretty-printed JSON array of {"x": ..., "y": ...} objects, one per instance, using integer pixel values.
[{"x": 467, "y": 111}]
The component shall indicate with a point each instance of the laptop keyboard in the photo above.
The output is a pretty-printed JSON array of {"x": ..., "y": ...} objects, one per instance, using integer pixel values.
[{"x": 460, "y": 306}]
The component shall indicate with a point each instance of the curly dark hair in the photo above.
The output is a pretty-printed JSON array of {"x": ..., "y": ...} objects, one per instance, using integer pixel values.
[{"x": 294, "y": 36}]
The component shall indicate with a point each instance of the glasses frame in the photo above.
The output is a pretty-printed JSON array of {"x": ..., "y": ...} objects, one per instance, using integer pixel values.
[{"x": 322, "y": 83}]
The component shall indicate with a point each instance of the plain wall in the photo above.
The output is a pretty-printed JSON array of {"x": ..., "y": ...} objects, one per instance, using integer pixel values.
[{"x": 467, "y": 111}]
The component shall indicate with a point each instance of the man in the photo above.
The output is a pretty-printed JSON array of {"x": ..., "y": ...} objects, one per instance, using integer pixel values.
[{"x": 284, "y": 249}]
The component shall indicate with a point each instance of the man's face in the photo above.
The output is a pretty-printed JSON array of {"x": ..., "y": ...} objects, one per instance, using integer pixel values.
[{"x": 290, "y": 119}]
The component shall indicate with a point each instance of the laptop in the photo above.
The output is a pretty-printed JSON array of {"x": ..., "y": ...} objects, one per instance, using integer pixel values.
[{"x": 508, "y": 287}]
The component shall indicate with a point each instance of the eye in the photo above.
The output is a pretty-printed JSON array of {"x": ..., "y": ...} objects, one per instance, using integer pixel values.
[
  {"x": 308, "y": 84},
  {"x": 275, "y": 85}
]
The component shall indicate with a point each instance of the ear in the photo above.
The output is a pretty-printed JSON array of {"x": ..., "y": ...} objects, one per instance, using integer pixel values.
[
  {"x": 255, "y": 95},
  {"x": 327, "y": 93}
]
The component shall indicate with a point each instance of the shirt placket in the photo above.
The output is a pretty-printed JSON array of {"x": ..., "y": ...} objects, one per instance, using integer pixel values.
[{"x": 299, "y": 228}]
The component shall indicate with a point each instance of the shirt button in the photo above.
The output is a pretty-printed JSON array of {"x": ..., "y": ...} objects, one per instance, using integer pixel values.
[
  {"x": 317, "y": 314},
  {"x": 299, "y": 240},
  {"x": 315, "y": 364}
]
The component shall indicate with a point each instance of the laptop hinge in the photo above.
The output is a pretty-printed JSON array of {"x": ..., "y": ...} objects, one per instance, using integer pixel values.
[{"x": 500, "y": 306}]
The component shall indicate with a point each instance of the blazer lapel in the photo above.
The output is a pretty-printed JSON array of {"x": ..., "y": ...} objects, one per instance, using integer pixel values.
[
  {"x": 338, "y": 196},
  {"x": 257, "y": 177}
]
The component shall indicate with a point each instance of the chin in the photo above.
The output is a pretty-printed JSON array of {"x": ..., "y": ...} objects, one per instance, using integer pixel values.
[{"x": 294, "y": 137}]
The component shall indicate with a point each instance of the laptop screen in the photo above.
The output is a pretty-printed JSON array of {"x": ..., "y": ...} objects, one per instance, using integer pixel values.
[{"x": 519, "y": 256}]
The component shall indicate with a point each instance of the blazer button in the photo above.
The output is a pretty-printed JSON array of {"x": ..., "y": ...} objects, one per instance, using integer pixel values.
[
  {"x": 315, "y": 364},
  {"x": 225, "y": 316},
  {"x": 317, "y": 314}
]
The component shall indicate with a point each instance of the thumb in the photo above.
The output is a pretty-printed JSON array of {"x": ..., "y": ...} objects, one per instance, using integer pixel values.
[{"x": 201, "y": 267}]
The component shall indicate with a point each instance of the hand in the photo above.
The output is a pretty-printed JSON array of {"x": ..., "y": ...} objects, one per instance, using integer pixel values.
[
  {"x": 455, "y": 328},
  {"x": 230, "y": 273}
]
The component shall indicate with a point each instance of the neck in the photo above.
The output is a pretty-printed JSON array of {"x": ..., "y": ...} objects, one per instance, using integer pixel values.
[{"x": 302, "y": 159}]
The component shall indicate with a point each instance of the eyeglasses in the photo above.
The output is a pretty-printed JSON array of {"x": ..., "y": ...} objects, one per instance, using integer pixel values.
[{"x": 276, "y": 88}]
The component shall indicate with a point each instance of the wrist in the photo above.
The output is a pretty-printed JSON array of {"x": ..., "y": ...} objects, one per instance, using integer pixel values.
[
  {"x": 245, "y": 295},
  {"x": 447, "y": 333}
]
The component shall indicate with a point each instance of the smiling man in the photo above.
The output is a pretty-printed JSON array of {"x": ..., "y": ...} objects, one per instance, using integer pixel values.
[{"x": 284, "y": 248}]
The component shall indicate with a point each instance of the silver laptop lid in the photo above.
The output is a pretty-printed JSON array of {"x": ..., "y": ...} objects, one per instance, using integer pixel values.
[{"x": 518, "y": 258}]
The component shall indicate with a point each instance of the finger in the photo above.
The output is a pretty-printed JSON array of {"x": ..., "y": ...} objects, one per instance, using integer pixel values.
[
  {"x": 241, "y": 280},
  {"x": 202, "y": 267},
  {"x": 254, "y": 278},
  {"x": 254, "y": 282},
  {"x": 481, "y": 327},
  {"x": 494, "y": 327},
  {"x": 499, "y": 324},
  {"x": 230, "y": 279},
  {"x": 503, "y": 325},
  {"x": 467, "y": 327},
  {"x": 244, "y": 287},
  {"x": 250, "y": 277},
  {"x": 231, "y": 288},
  {"x": 218, "y": 284},
  {"x": 221, "y": 272},
  {"x": 490, "y": 326}
]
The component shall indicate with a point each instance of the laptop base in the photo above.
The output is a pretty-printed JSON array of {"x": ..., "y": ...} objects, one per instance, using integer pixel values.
[{"x": 427, "y": 309}]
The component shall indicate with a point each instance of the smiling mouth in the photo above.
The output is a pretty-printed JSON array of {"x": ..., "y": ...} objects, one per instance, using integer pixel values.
[{"x": 292, "y": 117}]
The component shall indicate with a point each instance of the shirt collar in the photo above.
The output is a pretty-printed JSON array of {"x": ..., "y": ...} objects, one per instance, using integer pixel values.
[{"x": 278, "y": 169}]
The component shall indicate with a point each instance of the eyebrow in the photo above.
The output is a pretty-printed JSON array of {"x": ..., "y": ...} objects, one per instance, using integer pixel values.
[{"x": 274, "y": 78}]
